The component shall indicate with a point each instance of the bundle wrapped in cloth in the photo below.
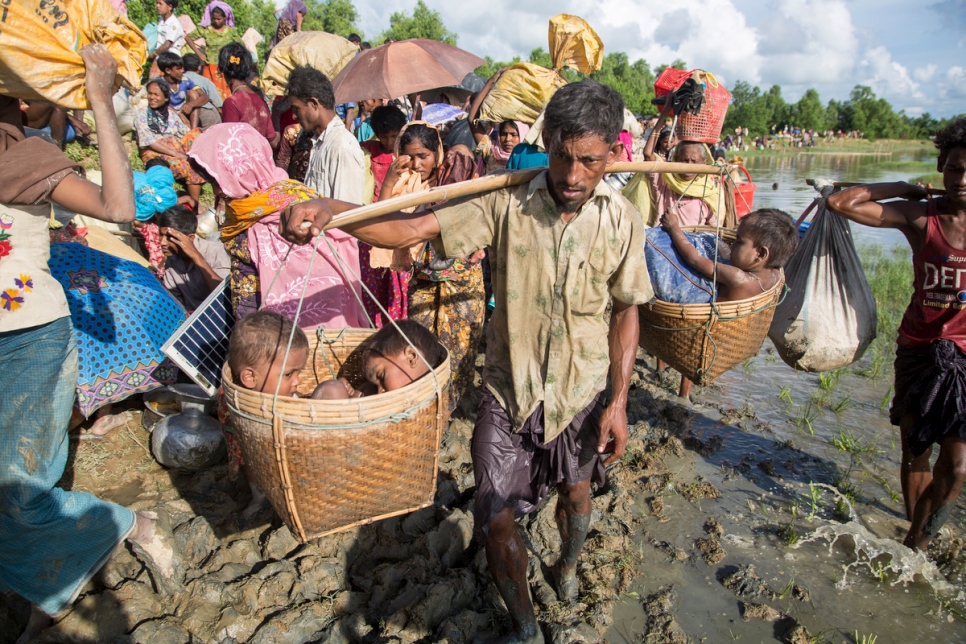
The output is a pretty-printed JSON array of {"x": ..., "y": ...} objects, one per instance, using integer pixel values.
[
  {"x": 575, "y": 44},
  {"x": 40, "y": 45},
  {"x": 325, "y": 52}
]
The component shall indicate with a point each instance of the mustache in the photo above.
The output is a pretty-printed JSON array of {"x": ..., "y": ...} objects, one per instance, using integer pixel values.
[{"x": 560, "y": 186}]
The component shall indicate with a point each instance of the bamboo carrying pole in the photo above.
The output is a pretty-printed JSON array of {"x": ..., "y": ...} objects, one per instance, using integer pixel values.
[
  {"x": 852, "y": 184},
  {"x": 495, "y": 182}
]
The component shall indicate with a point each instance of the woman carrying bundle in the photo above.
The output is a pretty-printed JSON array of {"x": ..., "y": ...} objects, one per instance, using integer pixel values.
[
  {"x": 445, "y": 296},
  {"x": 162, "y": 133},
  {"x": 263, "y": 270}
]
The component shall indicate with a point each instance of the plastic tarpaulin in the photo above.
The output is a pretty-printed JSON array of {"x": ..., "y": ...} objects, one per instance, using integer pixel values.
[
  {"x": 520, "y": 94},
  {"x": 40, "y": 41},
  {"x": 673, "y": 280},
  {"x": 828, "y": 318},
  {"x": 575, "y": 44},
  {"x": 325, "y": 52}
]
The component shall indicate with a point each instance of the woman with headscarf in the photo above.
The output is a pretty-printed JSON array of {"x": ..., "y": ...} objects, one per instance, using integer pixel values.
[
  {"x": 162, "y": 133},
  {"x": 218, "y": 29},
  {"x": 153, "y": 193},
  {"x": 495, "y": 149},
  {"x": 289, "y": 20},
  {"x": 239, "y": 161},
  {"x": 445, "y": 296},
  {"x": 54, "y": 541}
]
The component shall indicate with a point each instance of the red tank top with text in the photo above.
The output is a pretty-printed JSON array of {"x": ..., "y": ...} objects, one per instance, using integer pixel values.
[{"x": 936, "y": 310}]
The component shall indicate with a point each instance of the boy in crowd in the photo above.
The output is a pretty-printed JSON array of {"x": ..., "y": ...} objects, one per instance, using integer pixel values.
[
  {"x": 185, "y": 95},
  {"x": 193, "y": 267},
  {"x": 210, "y": 112}
]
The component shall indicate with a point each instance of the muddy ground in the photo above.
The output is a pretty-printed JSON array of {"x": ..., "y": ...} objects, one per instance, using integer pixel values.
[{"x": 423, "y": 577}]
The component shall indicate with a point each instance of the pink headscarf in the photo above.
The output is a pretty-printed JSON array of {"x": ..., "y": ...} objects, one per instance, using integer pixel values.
[
  {"x": 218, "y": 4},
  {"x": 238, "y": 158},
  {"x": 500, "y": 155}
]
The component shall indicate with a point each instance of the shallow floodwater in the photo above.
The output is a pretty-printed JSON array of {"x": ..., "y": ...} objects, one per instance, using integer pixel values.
[{"x": 783, "y": 433}]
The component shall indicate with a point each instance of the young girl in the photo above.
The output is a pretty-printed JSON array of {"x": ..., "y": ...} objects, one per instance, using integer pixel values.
[{"x": 389, "y": 362}]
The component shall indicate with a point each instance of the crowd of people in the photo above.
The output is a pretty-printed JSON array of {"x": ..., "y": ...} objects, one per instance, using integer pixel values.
[{"x": 551, "y": 271}]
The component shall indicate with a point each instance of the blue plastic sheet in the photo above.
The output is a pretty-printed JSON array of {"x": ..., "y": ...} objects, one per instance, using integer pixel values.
[{"x": 673, "y": 280}]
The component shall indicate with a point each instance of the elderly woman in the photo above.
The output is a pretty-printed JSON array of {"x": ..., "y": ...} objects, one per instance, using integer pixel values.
[
  {"x": 264, "y": 271},
  {"x": 162, "y": 133},
  {"x": 447, "y": 297}
]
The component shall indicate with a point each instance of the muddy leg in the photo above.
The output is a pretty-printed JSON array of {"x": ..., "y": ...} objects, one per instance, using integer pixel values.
[
  {"x": 661, "y": 365},
  {"x": 915, "y": 473},
  {"x": 685, "y": 389},
  {"x": 573, "y": 521},
  {"x": 936, "y": 502},
  {"x": 506, "y": 557}
]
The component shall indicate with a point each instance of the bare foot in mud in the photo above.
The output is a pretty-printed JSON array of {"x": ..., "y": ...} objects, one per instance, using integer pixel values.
[
  {"x": 258, "y": 502},
  {"x": 107, "y": 422},
  {"x": 152, "y": 542},
  {"x": 566, "y": 584},
  {"x": 39, "y": 620}
]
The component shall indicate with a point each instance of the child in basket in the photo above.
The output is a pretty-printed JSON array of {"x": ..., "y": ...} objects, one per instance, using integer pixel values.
[
  {"x": 255, "y": 355},
  {"x": 389, "y": 362},
  {"x": 764, "y": 241}
]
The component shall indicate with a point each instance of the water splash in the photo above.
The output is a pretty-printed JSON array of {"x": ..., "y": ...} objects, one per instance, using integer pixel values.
[{"x": 879, "y": 555}]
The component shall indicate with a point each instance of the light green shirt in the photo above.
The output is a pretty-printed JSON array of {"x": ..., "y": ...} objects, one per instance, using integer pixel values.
[{"x": 552, "y": 280}]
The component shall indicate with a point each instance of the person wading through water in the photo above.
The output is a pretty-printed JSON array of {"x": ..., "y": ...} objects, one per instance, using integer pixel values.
[{"x": 563, "y": 247}]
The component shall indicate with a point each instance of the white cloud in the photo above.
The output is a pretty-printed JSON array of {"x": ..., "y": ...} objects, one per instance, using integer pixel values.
[
  {"x": 953, "y": 86},
  {"x": 924, "y": 74},
  {"x": 888, "y": 78}
]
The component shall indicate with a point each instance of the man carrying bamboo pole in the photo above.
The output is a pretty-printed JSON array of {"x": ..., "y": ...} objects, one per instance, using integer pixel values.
[
  {"x": 929, "y": 405},
  {"x": 562, "y": 247}
]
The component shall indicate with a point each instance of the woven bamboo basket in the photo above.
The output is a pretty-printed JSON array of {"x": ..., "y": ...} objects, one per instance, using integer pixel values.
[
  {"x": 702, "y": 341},
  {"x": 332, "y": 465}
]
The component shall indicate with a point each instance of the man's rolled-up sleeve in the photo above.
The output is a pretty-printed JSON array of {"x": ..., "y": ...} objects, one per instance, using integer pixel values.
[
  {"x": 466, "y": 225},
  {"x": 630, "y": 283}
]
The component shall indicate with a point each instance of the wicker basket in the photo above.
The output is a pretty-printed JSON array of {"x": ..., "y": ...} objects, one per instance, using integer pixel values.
[
  {"x": 702, "y": 341},
  {"x": 331, "y": 465}
]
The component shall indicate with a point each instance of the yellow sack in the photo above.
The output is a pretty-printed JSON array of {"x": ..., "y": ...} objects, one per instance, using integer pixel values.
[
  {"x": 575, "y": 44},
  {"x": 40, "y": 43},
  {"x": 520, "y": 94},
  {"x": 325, "y": 52},
  {"x": 638, "y": 192}
]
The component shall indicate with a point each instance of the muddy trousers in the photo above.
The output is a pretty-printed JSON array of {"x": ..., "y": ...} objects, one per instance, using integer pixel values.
[{"x": 53, "y": 540}]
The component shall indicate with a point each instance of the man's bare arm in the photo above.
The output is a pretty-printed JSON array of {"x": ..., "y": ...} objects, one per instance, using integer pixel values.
[
  {"x": 861, "y": 205},
  {"x": 395, "y": 230},
  {"x": 622, "y": 343}
]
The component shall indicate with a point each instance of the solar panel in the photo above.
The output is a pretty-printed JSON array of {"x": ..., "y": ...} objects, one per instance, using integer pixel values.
[{"x": 200, "y": 346}]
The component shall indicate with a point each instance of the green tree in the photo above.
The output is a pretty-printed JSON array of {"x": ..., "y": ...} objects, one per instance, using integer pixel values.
[
  {"x": 335, "y": 16},
  {"x": 635, "y": 82},
  {"x": 424, "y": 23},
  {"x": 493, "y": 66},
  {"x": 747, "y": 109},
  {"x": 677, "y": 64},
  {"x": 809, "y": 113}
]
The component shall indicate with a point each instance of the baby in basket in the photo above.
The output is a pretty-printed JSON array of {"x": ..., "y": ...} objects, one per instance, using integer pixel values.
[
  {"x": 389, "y": 362},
  {"x": 764, "y": 241}
]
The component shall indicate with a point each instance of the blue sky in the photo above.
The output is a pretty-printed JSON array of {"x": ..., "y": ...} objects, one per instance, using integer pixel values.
[{"x": 912, "y": 53}]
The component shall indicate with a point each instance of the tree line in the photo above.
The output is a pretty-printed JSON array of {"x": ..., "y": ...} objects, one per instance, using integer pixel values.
[{"x": 750, "y": 107}]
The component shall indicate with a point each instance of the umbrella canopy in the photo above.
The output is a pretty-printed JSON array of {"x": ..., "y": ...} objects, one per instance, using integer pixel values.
[
  {"x": 122, "y": 315},
  {"x": 400, "y": 68},
  {"x": 470, "y": 85}
]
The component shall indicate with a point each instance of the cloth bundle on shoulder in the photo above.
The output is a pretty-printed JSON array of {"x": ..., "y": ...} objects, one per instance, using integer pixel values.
[
  {"x": 40, "y": 44},
  {"x": 575, "y": 44},
  {"x": 325, "y": 52},
  {"x": 828, "y": 318},
  {"x": 520, "y": 94},
  {"x": 673, "y": 280}
]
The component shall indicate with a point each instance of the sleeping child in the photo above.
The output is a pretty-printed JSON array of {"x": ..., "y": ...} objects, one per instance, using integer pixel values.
[
  {"x": 764, "y": 241},
  {"x": 389, "y": 362}
]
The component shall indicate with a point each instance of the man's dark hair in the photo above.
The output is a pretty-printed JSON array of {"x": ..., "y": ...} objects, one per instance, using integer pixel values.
[
  {"x": 388, "y": 342},
  {"x": 386, "y": 119},
  {"x": 772, "y": 229},
  {"x": 235, "y": 62},
  {"x": 180, "y": 218},
  {"x": 949, "y": 138},
  {"x": 365, "y": 45},
  {"x": 162, "y": 85},
  {"x": 169, "y": 59},
  {"x": 354, "y": 38},
  {"x": 583, "y": 108},
  {"x": 192, "y": 62},
  {"x": 156, "y": 161},
  {"x": 307, "y": 82}
]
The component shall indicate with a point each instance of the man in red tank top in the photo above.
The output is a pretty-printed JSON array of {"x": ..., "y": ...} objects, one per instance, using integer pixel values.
[{"x": 930, "y": 391}]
